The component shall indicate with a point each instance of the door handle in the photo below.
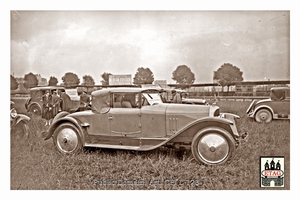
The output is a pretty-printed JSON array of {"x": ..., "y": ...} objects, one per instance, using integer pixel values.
[{"x": 110, "y": 117}]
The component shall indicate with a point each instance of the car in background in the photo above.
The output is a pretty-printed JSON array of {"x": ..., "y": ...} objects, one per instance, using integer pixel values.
[
  {"x": 70, "y": 100},
  {"x": 136, "y": 119},
  {"x": 275, "y": 107},
  {"x": 18, "y": 122}
]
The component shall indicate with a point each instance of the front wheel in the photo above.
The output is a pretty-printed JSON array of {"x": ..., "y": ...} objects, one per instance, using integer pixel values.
[
  {"x": 263, "y": 115},
  {"x": 66, "y": 138},
  {"x": 212, "y": 146}
]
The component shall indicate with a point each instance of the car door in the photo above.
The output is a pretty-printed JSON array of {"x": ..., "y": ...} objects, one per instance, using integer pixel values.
[{"x": 124, "y": 118}]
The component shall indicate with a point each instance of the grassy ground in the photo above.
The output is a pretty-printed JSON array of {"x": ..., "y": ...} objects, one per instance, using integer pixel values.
[{"x": 37, "y": 165}]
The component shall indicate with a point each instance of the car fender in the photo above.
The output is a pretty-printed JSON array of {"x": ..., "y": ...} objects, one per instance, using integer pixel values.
[
  {"x": 55, "y": 124},
  {"x": 205, "y": 122},
  {"x": 22, "y": 117},
  {"x": 60, "y": 115},
  {"x": 191, "y": 129},
  {"x": 187, "y": 133},
  {"x": 261, "y": 107}
]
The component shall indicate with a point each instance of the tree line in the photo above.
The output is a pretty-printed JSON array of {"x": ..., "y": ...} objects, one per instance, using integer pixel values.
[{"x": 226, "y": 75}]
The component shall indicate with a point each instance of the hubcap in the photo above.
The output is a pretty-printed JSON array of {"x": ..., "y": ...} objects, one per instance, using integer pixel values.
[
  {"x": 213, "y": 148},
  {"x": 67, "y": 140},
  {"x": 263, "y": 116}
]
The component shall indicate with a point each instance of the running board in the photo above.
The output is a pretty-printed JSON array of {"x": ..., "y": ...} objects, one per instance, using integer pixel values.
[
  {"x": 112, "y": 146},
  {"x": 123, "y": 147}
]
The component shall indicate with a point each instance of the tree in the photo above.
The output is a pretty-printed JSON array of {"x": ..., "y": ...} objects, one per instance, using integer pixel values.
[
  {"x": 183, "y": 76},
  {"x": 105, "y": 77},
  {"x": 13, "y": 83},
  {"x": 70, "y": 80},
  {"x": 52, "y": 81},
  {"x": 30, "y": 80},
  {"x": 88, "y": 80},
  {"x": 228, "y": 75},
  {"x": 143, "y": 76}
]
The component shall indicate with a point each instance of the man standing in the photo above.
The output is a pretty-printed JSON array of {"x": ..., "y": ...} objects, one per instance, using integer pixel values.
[
  {"x": 47, "y": 107},
  {"x": 84, "y": 99}
]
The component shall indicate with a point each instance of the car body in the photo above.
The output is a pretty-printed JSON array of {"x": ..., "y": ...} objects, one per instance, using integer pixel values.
[
  {"x": 69, "y": 102},
  {"x": 275, "y": 107},
  {"x": 18, "y": 122},
  {"x": 137, "y": 119}
]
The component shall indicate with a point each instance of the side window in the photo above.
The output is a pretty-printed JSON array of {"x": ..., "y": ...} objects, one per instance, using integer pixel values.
[
  {"x": 121, "y": 100},
  {"x": 117, "y": 100}
]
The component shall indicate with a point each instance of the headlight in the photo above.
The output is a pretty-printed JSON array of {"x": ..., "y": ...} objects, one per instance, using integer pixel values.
[{"x": 13, "y": 113}]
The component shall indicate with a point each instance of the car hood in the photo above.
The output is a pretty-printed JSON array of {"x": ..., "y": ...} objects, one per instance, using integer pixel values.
[{"x": 189, "y": 109}]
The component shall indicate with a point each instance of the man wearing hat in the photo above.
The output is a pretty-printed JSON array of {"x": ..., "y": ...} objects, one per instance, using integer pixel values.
[{"x": 176, "y": 97}]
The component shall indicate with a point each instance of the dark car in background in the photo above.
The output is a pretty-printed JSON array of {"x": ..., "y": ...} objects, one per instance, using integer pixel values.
[
  {"x": 137, "y": 119},
  {"x": 70, "y": 100},
  {"x": 275, "y": 107}
]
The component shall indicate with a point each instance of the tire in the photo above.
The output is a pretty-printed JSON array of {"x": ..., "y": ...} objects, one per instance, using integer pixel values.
[
  {"x": 35, "y": 110},
  {"x": 213, "y": 146},
  {"x": 21, "y": 130},
  {"x": 66, "y": 138},
  {"x": 263, "y": 115}
]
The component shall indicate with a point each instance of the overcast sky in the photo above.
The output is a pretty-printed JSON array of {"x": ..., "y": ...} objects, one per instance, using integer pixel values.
[{"x": 52, "y": 43}]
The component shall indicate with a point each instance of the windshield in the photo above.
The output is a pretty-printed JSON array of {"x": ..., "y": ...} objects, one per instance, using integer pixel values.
[{"x": 152, "y": 98}]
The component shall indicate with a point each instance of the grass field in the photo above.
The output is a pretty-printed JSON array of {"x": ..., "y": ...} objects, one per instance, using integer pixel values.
[{"x": 37, "y": 165}]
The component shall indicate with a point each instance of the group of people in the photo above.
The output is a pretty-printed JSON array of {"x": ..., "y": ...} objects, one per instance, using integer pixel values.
[
  {"x": 53, "y": 103},
  {"x": 51, "y": 106}
]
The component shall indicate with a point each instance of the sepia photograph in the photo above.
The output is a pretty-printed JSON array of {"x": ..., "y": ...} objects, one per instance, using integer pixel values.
[{"x": 150, "y": 99}]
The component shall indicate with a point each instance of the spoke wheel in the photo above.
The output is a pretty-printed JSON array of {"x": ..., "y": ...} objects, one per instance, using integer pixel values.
[
  {"x": 35, "y": 110},
  {"x": 67, "y": 139},
  {"x": 212, "y": 146},
  {"x": 263, "y": 115}
]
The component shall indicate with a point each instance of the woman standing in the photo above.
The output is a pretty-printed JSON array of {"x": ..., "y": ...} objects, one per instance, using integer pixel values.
[{"x": 47, "y": 107}]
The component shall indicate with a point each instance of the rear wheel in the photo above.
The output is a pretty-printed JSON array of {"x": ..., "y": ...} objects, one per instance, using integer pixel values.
[
  {"x": 212, "y": 146},
  {"x": 35, "y": 110},
  {"x": 66, "y": 138},
  {"x": 263, "y": 115}
]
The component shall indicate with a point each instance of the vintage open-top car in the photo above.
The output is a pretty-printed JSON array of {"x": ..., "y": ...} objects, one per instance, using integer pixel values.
[
  {"x": 275, "y": 107},
  {"x": 137, "y": 119}
]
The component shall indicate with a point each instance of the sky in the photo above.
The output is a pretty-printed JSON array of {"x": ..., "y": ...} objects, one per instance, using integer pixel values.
[{"x": 91, "y": 42}]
